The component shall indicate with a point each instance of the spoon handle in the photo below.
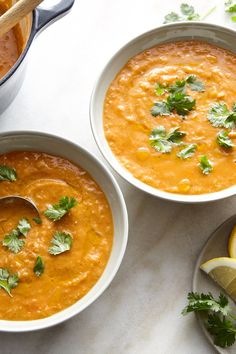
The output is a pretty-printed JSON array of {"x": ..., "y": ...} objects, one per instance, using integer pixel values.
[{"x": 16, "y": 13}]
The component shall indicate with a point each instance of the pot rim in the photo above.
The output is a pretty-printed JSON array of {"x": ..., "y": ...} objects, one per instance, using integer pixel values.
[
  {"x": 76, "y": 308},
  {"x": 113, "y": 161},
  {"x": 24, "y": 52}
]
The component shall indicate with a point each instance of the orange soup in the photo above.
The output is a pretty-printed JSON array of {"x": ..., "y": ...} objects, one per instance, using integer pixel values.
[
  {"x": 170, "y": 117},
  {"x": 51, "y": 260},
  {"x": 11, "y": 45}
]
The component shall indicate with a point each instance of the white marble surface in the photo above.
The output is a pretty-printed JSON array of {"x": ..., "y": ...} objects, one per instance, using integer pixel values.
[{"x": 140, "y": 312}]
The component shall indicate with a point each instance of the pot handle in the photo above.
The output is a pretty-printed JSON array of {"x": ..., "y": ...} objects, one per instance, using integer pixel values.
[{"x": 44, "y": 17}]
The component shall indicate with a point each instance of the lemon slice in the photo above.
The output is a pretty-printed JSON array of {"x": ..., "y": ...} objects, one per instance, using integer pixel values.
[
  {"x": 223, "y": 271},
  {"x": 232, "y": 243}
]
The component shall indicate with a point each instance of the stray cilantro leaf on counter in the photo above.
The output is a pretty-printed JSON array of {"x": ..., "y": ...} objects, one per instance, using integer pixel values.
[
  {"x": 57, "y": 211},
  {"x": 7, "y": 174},
  {"x": 13, "y": 241},
  {"x": 187, "y": 14},
  {"x": 224, "y": 140},
  {"x": 8, "y": 281},
  {"x": 230, "y": 7},
  {"x": 37, "y": 220},
  {"x": 219, "y": 318},
  {"x": 205, "y": 165},
  {"x": 39, "y": 266},
  {"x": 220, "y": 116},
  {"x": 162, "y": 141},
  {"x": 187, "y": 152},
  {"x": 61, "y": 242}
]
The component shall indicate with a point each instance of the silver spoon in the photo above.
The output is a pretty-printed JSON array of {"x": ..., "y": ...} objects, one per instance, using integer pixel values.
[{"x": 15, "y": 198}]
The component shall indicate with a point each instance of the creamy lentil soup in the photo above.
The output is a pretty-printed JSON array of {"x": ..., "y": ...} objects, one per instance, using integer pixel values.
[
  {"x": 66, "y": 276},
  {"x": 147, "y": 129},
  {"x": 11, "y": 45}
]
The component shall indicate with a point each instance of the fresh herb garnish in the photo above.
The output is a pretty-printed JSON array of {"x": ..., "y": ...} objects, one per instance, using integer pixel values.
[
  {"x": 61, "y": 242},
  {"x": 39, "y": 266},
  {"x": 8, "y": 281},
  {"x": 180, "y": 86},
  {"x": 187, "y": 152},
  {"x": 180, "y": 103},
  {"x": 220, "y": 116},
  {"x": 162, "y": 140},
  {"x": 13, "y": 241},
  {"x": 224, "y": 140},
  {"x": 230, "y": 7},
  {"x": 160, "y": 109},
  {"x": 57, "y": 211},
  {"x": 7, "y": 174},
  {"x": 187, "y": 14},
  {"x": 205, "y": 165},
  {"x": 219, "y": 318},
  {"x": 37, "y": 220}
]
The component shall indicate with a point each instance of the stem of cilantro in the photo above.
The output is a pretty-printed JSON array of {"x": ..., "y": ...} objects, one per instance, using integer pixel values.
[{"x": 209, "y": 12}]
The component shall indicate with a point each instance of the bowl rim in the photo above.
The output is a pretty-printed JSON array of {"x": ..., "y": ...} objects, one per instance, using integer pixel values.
[
  {"x": 115, "y": 165},
  {"x": 61, "y": 316}
]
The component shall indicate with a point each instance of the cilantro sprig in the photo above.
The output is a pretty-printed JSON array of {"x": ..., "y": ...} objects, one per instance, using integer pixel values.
[
  {"x": 12, "y": 240},
  {"x": 180, "y": 86},
  {"x": 205, "y": 165},
  {"x": 224, "y": 140},
  {"x": 187, "y": 151},
  {"x": 220, "y": 116},
  {"x": 230, "y": 7},
  {"x": 57, "y": 211},
  {"x": 162, "y": 141},
  {"x": 187, "y": 14},
  {"x": 39, "y": 266},
  {"x": 7, "y": 173},
  {"x": 220, "y": 323},
  {"x": 61, "y": 242},
  {"x": 8, "y": 281}
]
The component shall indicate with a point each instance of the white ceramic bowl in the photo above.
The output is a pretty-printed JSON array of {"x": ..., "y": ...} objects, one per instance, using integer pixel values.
[
  {"x": 220, "y": 36},
  {"x": 35, "y": 141}
]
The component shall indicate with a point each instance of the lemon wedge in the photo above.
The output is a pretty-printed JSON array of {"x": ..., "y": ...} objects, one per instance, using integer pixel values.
[
  {"x": 223, "y": 271},
  {"x": 232, "y": 243}
]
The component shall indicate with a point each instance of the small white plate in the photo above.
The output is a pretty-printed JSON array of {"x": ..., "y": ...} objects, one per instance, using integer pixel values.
[{"x": 216, "y": 246}]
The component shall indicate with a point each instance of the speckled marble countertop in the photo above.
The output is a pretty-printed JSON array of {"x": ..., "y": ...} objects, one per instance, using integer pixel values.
[{"x": 140, "y": 311}]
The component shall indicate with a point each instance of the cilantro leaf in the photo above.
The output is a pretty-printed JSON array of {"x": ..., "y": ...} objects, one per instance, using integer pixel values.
[
  {"x": 230, "y": 6},
  {"x": 187, "y": 152},
  {"x": 205, "y": 165},
  {"x": 178, "y": 87},
  {"x": 8, "y": 281},
  {"x": 181, "y": 103},
  {"x": 61, "y": 242},
  {"x": 57, "y": 211},
  {"x": 24, "y": 226},
  {"x": 39, "y": 266},
  {"x": 13, "y": 242},
  {"x": 7, "y": 174},
  {"x": 186, "y": 9},
  {"x": 160, "y": 109},
  {"x": 194, "y": 84},
  {"x": 203, "y": 302},
  {"x": 222, "y": 330},
  {"x": 160, "y": 89},
  {"x": 224, "y": 140},
  {"x": 37, "y": 220},
  {"x": 220, "y": 116},
  {"x": 163, "y": 141},
  {"x": 172, "y": 17}
]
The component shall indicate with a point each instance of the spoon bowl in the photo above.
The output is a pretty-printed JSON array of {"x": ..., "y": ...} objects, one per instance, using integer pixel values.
[{"x": 9, "y": 199}]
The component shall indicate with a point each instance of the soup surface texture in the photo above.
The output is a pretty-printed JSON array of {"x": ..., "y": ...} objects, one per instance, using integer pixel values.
[
  {"x": 67, "y": 276},
  {"x": 128, "y": 121}
]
